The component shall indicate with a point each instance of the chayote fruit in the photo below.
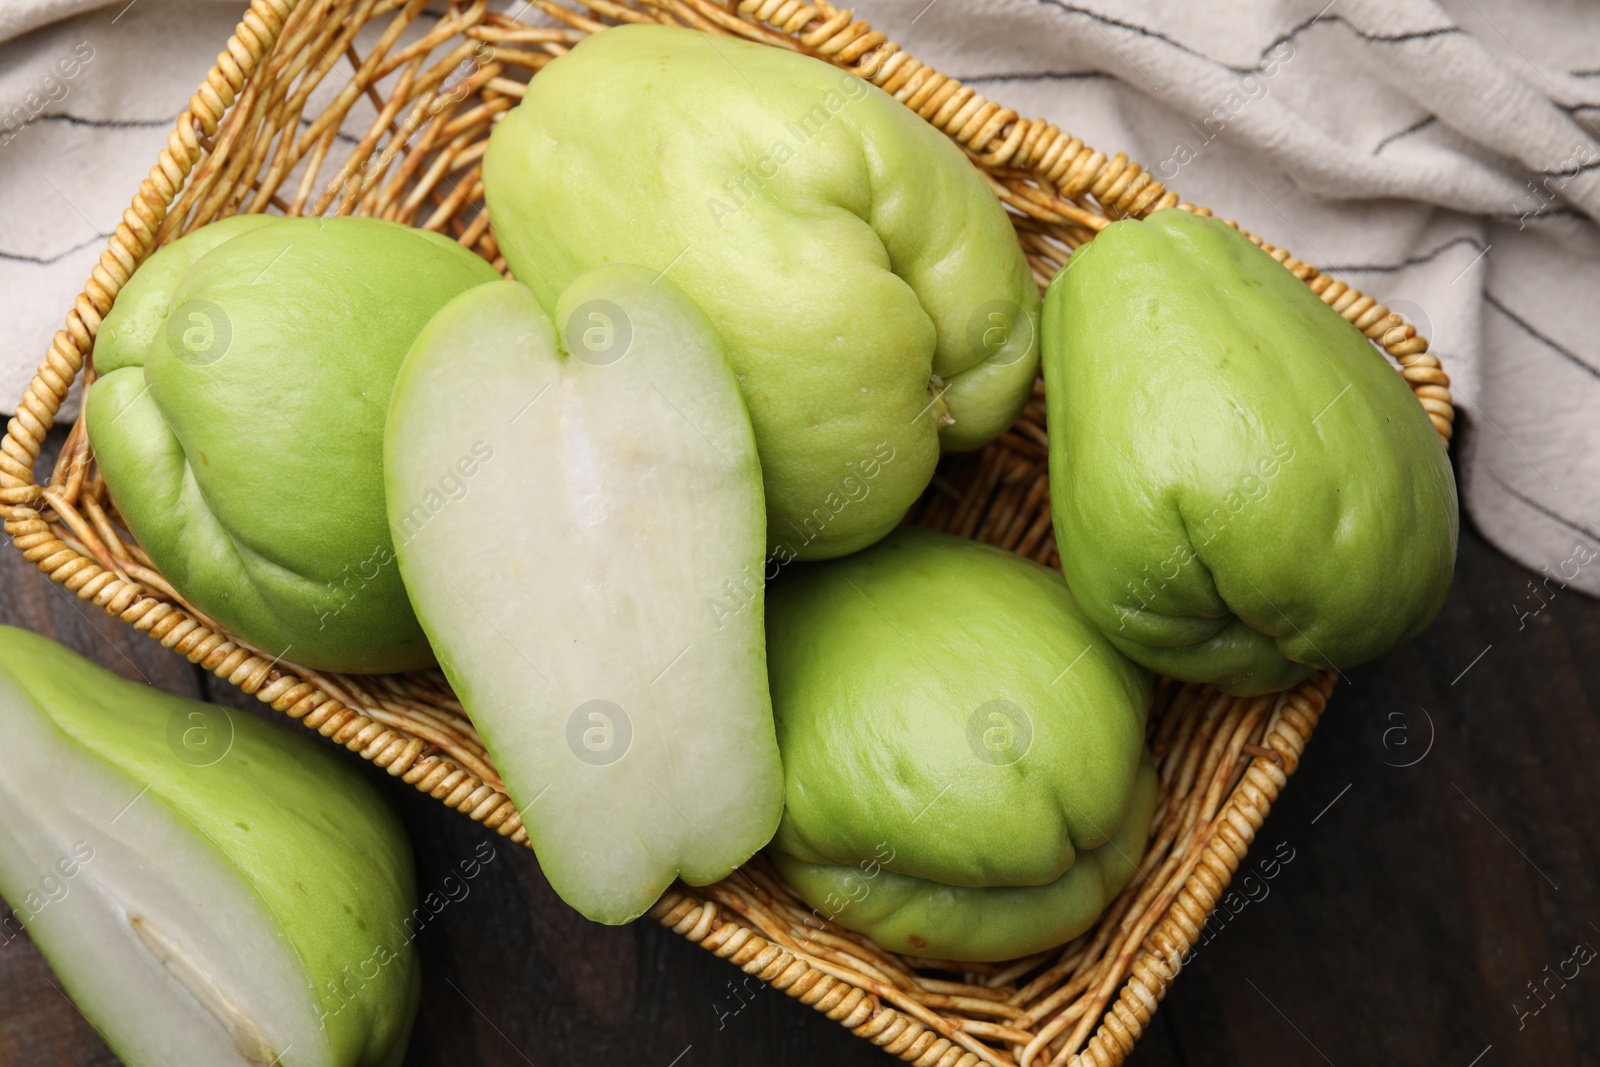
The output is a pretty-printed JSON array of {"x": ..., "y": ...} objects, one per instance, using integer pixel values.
[
  {"x": 961, "y": 748},
  {"x": 988, "y": 923},
  {"x": 210, "y": 888},
  {"x": 604, "y": 630},
  {"x": 868, "y": 290},
  {"x": 1244, "y": 490},
  {"x": 244, "y": 376}
]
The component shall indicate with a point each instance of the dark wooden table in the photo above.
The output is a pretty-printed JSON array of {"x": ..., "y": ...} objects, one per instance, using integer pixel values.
[{"x": 1446, "y": 835}]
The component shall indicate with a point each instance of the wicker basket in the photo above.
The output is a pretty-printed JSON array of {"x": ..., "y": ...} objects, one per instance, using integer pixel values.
[{"x": 247, "y": 143}]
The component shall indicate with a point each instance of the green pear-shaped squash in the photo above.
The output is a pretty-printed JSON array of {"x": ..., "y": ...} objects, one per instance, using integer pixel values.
[
  {"x": 963, "y": 750},
  {"x": 243, "y": 379},
  {"x": 210, "y": 888},
  {"x": 867, "y": 288},
  {"x": 1244, "y": 490}
]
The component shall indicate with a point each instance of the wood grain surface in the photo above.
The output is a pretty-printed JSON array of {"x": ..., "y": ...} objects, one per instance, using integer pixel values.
[{"x": 1444, "y": 829}]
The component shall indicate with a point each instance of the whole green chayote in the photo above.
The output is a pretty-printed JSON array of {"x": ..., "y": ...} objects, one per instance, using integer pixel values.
[
  {"x": 1244, "y": 490},
  {"x": 963, "y": 750},
  {"x": 243, "y": 380},
  {"x": 209, "y": 888},
  {"x": 867, "y": 288}
]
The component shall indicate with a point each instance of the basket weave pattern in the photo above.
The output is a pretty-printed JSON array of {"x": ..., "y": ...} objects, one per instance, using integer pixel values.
[{"x": 247, "y": 143}]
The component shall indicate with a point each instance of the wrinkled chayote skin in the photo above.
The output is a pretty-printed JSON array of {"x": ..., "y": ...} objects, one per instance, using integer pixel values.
[
  {"x": 958, "y": 738},
  {"x": 209, "y": 887},
  {"x": 922, "y": 917},
  {"x": 244, "y": 376},
  {"x": 1244, "y": 490},
  {"x": 868, "y": 290}
]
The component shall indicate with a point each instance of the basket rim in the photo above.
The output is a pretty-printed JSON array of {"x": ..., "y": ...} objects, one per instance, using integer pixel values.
[{"x": 1036, "y": 169}]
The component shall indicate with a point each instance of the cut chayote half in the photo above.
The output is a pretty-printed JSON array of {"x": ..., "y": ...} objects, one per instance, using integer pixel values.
[
  {"x": 209, "y": 888},
  {"x": 594, "y": 591}
]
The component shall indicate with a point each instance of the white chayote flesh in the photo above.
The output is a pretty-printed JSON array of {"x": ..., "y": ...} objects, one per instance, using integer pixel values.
[
  {"x": 163, "y": 947},
  {"x": 578, "y": 515}
]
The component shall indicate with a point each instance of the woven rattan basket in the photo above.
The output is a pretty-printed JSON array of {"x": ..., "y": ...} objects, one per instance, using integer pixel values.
[{"x": 250, "y": 141}]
